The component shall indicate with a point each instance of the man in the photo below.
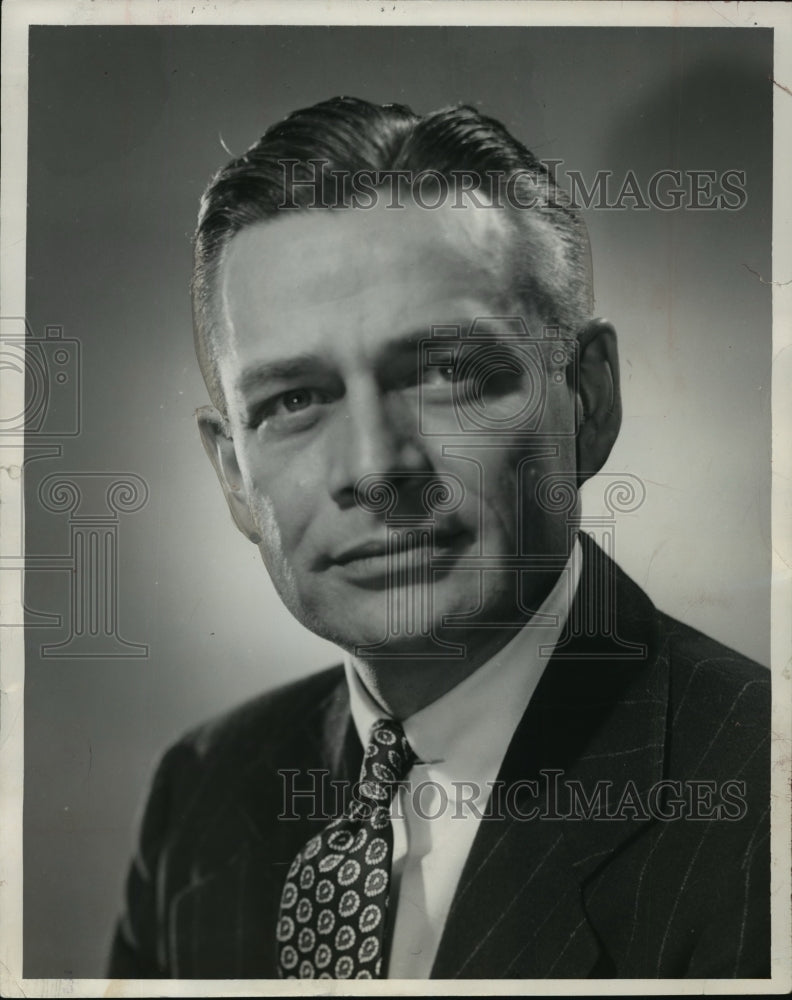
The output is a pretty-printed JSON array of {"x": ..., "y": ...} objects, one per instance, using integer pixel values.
[{"x": 534, "y": 773}]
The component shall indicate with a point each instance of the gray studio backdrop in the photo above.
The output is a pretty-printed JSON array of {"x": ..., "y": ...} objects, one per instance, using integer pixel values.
[{"x": 125, "y": 127}]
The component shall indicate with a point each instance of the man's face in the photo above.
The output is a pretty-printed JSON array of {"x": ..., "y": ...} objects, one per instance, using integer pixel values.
[{"x": 321, "y": 363}]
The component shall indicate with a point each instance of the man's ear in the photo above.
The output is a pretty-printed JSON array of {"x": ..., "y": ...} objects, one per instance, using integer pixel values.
[
  {"x": 219, "y": 446},
  {"x": 599, "y": 410}
]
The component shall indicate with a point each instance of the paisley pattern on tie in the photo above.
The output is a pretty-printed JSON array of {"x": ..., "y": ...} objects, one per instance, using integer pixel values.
[{"x": 334, "y": 903}]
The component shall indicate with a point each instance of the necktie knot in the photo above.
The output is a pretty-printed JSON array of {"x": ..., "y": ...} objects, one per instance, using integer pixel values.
[{"x": 387, "y": 760}]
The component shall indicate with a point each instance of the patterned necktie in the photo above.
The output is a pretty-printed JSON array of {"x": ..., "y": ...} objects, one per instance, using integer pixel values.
[{"x": 334, "y": 903}]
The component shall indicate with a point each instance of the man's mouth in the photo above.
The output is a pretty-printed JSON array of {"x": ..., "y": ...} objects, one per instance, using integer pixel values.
[{"x": 393, "y": 558}]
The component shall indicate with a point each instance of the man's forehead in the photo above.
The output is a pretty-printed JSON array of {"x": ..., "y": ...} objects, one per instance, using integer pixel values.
[
  {"x": 316, "y": 240},
  {"x": 287, "y": 282}
]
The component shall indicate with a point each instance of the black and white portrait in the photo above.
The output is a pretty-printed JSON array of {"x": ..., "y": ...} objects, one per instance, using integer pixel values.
[{"x": 394, "y": 423}]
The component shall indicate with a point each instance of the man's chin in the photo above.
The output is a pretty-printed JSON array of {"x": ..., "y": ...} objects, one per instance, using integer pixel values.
[{"x": 399, "y": 622}]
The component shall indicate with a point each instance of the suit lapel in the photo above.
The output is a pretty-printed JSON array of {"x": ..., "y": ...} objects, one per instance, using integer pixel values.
[
  {"x": 517, "y": 905},
  {"x": 598, "y": 715},
  {"x": 225, "y": 919}
]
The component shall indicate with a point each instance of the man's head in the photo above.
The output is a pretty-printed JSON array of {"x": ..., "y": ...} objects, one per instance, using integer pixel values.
[
  {"x": 315, "y": 305},
  {"x": 325, "y": 155}
]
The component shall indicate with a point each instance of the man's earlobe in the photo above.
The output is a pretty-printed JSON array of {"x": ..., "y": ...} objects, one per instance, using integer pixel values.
[
  {"x": 599, "y": 400},
  {"x": 219, "y": 446}
]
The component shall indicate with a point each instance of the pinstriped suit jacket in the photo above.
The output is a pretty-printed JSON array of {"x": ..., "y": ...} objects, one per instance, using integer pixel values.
[{"x": 630, "y": 698}]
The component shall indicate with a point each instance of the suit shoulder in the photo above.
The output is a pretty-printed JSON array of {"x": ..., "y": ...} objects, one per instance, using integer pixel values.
[
  {"x": 719, "y": 701},
  {"x": 240, "y": 732},
  {"x": 693, "y": 653}
]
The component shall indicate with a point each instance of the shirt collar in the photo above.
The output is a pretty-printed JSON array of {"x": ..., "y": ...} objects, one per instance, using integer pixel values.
[{"x": 466, "y": 732}]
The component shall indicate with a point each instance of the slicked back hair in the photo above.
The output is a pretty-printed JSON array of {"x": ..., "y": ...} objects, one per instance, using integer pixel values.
[{"x": 344, "y": 137}]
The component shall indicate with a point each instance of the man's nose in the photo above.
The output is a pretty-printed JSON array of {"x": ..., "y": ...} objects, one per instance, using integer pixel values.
[{"x": 377, "y": 434}]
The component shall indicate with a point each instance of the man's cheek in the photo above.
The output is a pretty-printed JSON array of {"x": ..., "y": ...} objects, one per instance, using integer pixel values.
[
  {"x": 268, "y": 516},
  {"x": 286, "y": 515}
]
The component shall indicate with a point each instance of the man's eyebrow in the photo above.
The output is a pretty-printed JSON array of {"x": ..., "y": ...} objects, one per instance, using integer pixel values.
[
  {"x": 403, "y": 342},
  {"x": 430, "y": 334},
  {"x": 287, "y": 368},
  {"x": 260, "y": 372},
  {"x": 270, "y": 371}
]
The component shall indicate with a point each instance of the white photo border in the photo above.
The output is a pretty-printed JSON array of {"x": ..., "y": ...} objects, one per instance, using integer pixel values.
[{"x": 18, "y": 16}]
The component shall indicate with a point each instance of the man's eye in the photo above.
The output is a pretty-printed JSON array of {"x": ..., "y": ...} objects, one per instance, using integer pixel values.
[
  {"x": 300, "y": 403},
  {"x": 289, "y": 409},
  {"x": 440, "y": 375},
  {"x": 298, "y": 399}
]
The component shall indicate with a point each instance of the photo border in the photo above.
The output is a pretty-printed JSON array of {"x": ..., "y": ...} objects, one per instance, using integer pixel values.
[{"x": 18, "y": 16}]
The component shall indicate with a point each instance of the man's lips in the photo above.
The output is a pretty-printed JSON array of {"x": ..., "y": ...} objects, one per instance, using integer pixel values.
[
  {"x": 398, "y": 543},
  {"x": 378, "y": 555}
]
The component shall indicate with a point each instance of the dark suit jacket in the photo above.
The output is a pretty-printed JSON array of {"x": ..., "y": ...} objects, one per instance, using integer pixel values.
[{"x": 630, "y": 697}]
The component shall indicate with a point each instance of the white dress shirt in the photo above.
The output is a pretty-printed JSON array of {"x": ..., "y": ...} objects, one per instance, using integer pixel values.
[{"x": 461, "y": 738}]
